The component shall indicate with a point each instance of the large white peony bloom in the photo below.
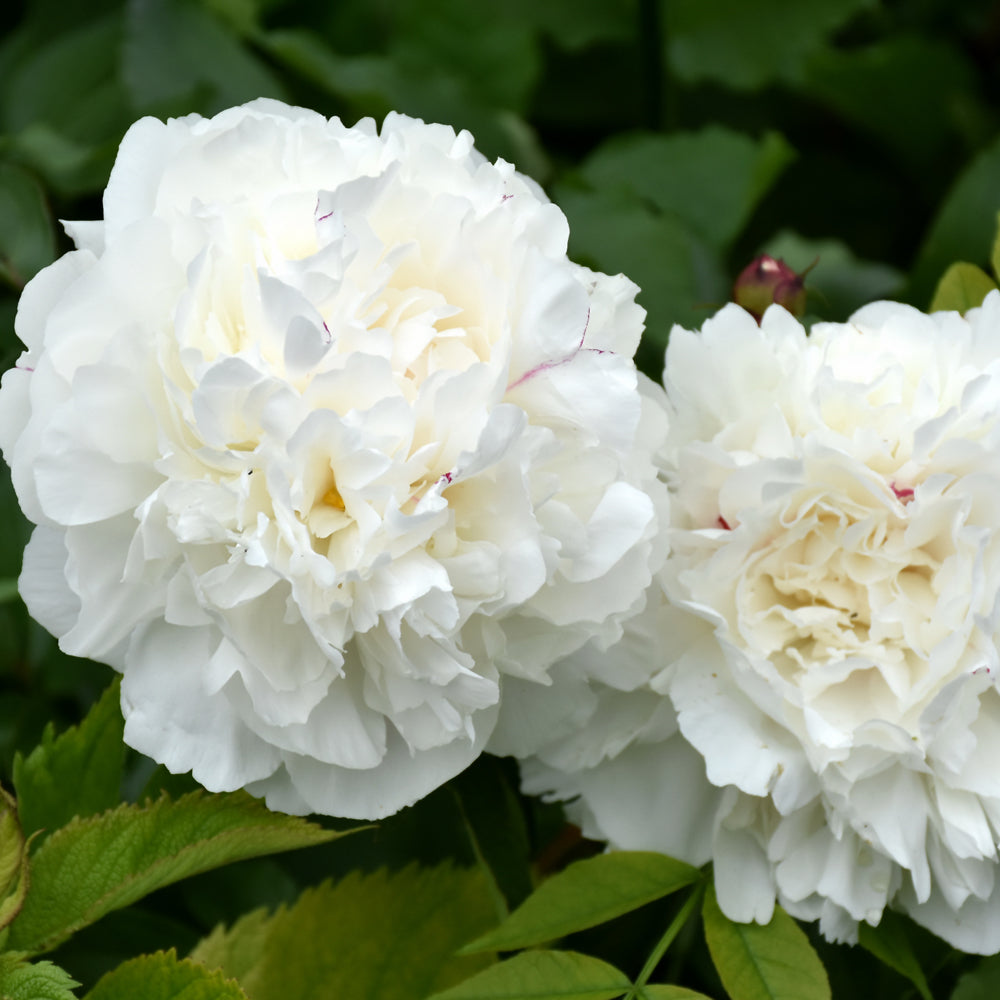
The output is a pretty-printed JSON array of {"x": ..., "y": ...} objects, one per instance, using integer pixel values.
[
  {"x": 825, "y": 721},
  {"x": 323, "y": 434}
]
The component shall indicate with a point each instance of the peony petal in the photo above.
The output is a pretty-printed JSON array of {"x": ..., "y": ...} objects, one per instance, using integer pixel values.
[
  {"x": 201, "y": 734},
  {"x": 744, "y": 881},
  {"x": 264, "y": 420},
  {"x": 43, "y": 585},
  {"x": 400, "y": 780}
]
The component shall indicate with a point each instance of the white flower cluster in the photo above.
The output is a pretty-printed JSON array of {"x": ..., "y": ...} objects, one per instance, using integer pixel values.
[
  {"x": 336, "y": 456},
  {"x": 811, "y": 699},
  {"x": 323, "y": 434}
]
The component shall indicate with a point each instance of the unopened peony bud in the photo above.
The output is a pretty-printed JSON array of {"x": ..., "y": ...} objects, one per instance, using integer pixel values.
[{"x": 766, "y": 280}]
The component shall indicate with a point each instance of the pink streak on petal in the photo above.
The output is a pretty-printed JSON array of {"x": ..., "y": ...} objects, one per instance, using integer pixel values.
[
  {"x": 546, "y": 365},
  {"x": 904, "y": 495}
]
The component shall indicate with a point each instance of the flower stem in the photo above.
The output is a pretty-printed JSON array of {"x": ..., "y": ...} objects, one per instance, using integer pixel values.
[{"x": 667, "y": 940}]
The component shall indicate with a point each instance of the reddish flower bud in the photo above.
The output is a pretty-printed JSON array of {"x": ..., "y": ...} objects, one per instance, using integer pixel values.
[{"x": 766, "y": 280}]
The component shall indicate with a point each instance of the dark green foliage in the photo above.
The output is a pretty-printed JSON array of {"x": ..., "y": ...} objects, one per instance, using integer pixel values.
[{"x": 681, "y": 138}]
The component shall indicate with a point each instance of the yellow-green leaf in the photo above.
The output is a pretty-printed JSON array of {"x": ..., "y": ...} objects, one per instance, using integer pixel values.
[
  {"x": 94, "y": 865},
  {"x": 770, "y": 962},
  {"x": 13, "y": 861},
  {"x": 588, "y": 893},
  {"x": 381, "y": 936},
  {"x": 962, "y": 287},
  {"x": 163, "y": 976},
  {"x": 543, "y": 975},
  {"x": 995, "y": 252},
  {"x": 20, "y": 980}
]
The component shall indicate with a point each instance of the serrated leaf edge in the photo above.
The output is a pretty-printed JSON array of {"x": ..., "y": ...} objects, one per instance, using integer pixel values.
[{"x": 98, "y": 907}]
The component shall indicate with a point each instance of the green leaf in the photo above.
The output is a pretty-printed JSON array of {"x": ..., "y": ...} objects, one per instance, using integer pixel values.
[
  {"x": 176, "y": 50},
  {"x": 375, "y": 85},
  {"x": 240, "y": 16},
  {"x": 771, "y": 962},
  {"x": 588, "y": 893},
  {"x": 497, "y": 67},
  {"x": 37, "y": 981},
  {"x": 965, "y": 226},
  {"x": 241, "y": 951},
  {"x": 78, "y": 773},
  {"x": 982, "y": 983},
  {"x": 543, "y": 975},
  {"x": 94, "y": 865},
  {"x": 83, "y": 60},
  {"x": 13, "y": 861},
  {"x": 71, "y": 166},
  {"x": 306, "y": 53},
  {"x": 27, "y": 242},
  {"x": 925, "y": 88},
  {"x": 747, "y": 45},
  {"x": 711, "y": 180},
  {"x": 163, "y": 977},
  {"x": 573, "y": 25},
  {"x": 494, "y": 820},
  {"x": 889, "y": 943},
  {"x": 11, "y": 844},
  {"x": 8, "y": 590},
  {"x": 658, "y": 992},
  {"x": 384, "y": 936},
  {"x": 963, "y": 286},
  {"x": 839, "y": 282}
]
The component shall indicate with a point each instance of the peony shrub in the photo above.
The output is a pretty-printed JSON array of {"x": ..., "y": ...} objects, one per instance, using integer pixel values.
[
  {"x": 323, "y": 436},
  {"x": 810, "y": 700}
]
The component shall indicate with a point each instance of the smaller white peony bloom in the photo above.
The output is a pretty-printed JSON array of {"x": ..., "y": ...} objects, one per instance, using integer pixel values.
[
  {"x": 823, "y": 719},
  {"x": 323, "y": 435}
]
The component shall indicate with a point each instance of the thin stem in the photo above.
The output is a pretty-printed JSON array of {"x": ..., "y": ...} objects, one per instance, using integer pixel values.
[
  {"x": 493, "y": 886},
  {"x": 668, "y": 939}
]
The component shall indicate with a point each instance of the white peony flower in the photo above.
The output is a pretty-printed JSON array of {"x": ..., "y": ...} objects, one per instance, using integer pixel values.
[
  {"x": 323, "y": 434},
  {"x": 825, "y": 722}
]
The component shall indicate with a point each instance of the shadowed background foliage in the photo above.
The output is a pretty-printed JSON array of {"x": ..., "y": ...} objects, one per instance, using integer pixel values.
[{"x": 681, "y": 137}]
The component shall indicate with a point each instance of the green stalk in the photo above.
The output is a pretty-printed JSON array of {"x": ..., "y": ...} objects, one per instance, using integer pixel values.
[{"x": 667, "y": 940}]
